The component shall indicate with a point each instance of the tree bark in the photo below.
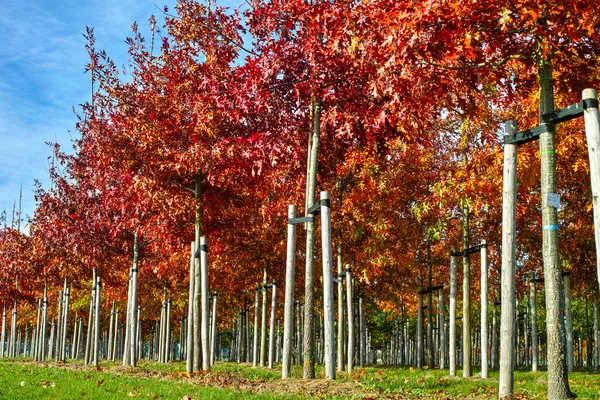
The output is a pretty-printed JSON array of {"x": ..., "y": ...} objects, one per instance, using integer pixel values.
[
  {"x": 309, "y": 283},
  {"x": 205, "y": 302},
  {"x": 558, "y": 382},
  {"x": 452, "y": 316},
  {"x": 350, "y": 301},
  {"x": 189, "y": 347},
  {"x": 263, "y": 323}
]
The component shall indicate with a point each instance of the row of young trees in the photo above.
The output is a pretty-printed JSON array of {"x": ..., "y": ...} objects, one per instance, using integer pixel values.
[{"x": 394, "y": 107}]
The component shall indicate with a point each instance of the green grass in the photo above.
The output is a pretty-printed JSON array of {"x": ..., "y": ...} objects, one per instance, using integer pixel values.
[{"x": 26, "y": 379}]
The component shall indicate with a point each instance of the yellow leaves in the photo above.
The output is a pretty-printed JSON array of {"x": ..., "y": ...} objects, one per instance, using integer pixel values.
[
  {"x": 505, "y": 19},
  {"x": 354, "y": 45}
]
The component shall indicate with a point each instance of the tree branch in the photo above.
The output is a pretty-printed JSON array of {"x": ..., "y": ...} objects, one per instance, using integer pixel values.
[{"x": 478, "y": 65}]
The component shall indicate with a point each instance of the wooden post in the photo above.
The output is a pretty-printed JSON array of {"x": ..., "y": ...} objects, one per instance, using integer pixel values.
[
  {"x": 534, "y": 335},
  {"x": 508, "y": 308},
  {"x": 3, "y": 340},
  {"x": 592, "y": 132},
  {"x": 205, "y": 302},
  {"x": 596, "y": 333},
  {"x": 430, "y": 344},
  {"x": 272, "y": 324},
  {"x": 452, "y": 316},
  {"x": 263, "y": 322},
  {"x": 484, "y": 311},
  {"x": 288, "y": 318},
  {"x": 167, "y": 342},
  {"x": 327, "y": 257},
  {"x": 88, "y": 338},
  {"x": 197, "y": 318},
  {"x": 256, "y": 333},
  {"x": 442, "y": 332},
  {"x": 189, "y": 345},
  {"x": 568, "y": 322},
  {"x": 97, "y": 322},
  {"x": 213, "y": 341},
  {"x": 340, "y": 299},
  {"x": 350, "y": 306},
  {"x": 494, "y": 357},
  {"x": 361, "y": 332},
  {"x": 420, "y": 330}
]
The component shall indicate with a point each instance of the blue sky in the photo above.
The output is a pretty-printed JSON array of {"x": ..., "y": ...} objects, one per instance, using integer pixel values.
[{"x": 42, "y": 59}]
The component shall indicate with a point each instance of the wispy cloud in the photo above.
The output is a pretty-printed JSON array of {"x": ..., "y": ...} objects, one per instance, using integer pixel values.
[{"x": 42, "y": 59}]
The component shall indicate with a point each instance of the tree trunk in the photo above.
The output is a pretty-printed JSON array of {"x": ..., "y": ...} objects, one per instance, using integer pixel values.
[
  {"x": 341, "y": 319},
  {"x": 596, "y": 333},
  {"x": 420, "y": 330},
  {"x": 507, "y": 313},
  {"x": 88, "y": 339},
  {"x": 97, "y": 322},
  {"x": 197, "y": 322},
  {"x": 213, "y": 344},
  {"x": 430, "y": 350},
  {"x": 568, "y": 323},
  {"x": 558, "y": 382},
  {"x": 134, "y": 285},
  {"x": 350, "y": 306},
  {"x": 272, "y": 324},
  {"x": 452, "y": 316},
  {"x": 263, "y": 323},
  {"x": 256, "y": 333},
  {"x": 309, "y": 283},
  {"x": 189, "y": 347},
  {"x": 442, "y": 333},
  {"x": 534, "y": 335},
  {"x": 65, "y": 321}
]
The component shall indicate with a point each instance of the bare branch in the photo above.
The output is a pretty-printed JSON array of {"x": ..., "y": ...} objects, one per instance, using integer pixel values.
[{"x": 478, "y": 65}]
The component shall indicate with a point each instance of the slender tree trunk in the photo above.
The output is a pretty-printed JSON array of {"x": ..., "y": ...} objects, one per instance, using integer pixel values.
[
  {"x": 534, "y": 335},
  {"x": 430, "y": 350},
  {"x": 134, "y": 307},
  {"x": 256, "y": 333},
  {"x": 340, "y": 331},
  {"x": 88, "y": 339},
  {"x": 309, "y": 284},
  {"x": 213, "y": 343},
  {"x": 263, "y": 323},
  {"x": 65, "y": 322},
  {"x": 3, "y": 340},
  {"x": 442, "y": 321},
  {"x": 596, "y": 333},
  {"x": 558, "y": 382},
  {"x": 362, "y": 332},
  {"x": 197, "y": 322},
  {"x": 568, "y": 323},
  {"x": 420, "y": 330},
  {"x": 97, "y": 323},
  {"x": 272, "y": 324},
  {"x": 507, "y": 313},
  {"x": 189, "y": 347},
  {"x": 452, "y": 316},
  {"x": 350, "y": 306}
]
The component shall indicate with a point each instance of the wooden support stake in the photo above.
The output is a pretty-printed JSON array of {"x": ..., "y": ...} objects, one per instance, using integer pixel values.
[
  {"x": 507, "y": 313},
  {"x": 327, "y": 285},
  {"x": 484, "y": 311},
  {"x": 288, "y": 318}
]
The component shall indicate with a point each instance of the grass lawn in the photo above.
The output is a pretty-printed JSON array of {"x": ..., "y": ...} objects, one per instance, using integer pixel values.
[{"x": 24, "y": 379}]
